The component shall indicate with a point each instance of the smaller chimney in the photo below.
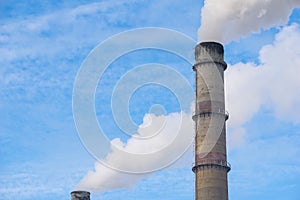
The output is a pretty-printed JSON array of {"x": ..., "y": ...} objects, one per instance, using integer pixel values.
[{"x": 80, "y": 195}]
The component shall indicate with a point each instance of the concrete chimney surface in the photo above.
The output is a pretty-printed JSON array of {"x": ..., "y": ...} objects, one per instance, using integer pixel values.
[
  {"x": 211, "y": 165},
  {"x": 80, "y": 195},
  {"x": 210, "y": 51}
]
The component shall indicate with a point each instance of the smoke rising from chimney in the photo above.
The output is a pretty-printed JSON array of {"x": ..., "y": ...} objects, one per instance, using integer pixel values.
[
  {"x": 104, "y": 178},
  {"x": 162, "y": 138},
  {"x": 228, "y": 20},
  {"x": 222, "y": 21}
]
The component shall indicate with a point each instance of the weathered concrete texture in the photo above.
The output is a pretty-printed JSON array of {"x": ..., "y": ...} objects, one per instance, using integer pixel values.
[
  {"x": 210, "y": 141},
  {"x": 209, "y": 50},
  {"x": 80, "y": 195},
  {"x": 211, "y": 184}
]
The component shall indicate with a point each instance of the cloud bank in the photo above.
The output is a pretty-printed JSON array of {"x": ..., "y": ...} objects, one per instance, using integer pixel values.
[{"x": 272, "y": 84}]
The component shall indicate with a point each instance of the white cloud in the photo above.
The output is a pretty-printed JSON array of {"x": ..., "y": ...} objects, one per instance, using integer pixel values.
[
  {"x": 272, "y": 84},
  {"x": 61, "y": 34}
]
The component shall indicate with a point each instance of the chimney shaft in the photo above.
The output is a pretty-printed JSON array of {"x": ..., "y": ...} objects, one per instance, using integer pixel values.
[
  {"x": 80, "y": 195},
  {"x": 211, "y": 165}
]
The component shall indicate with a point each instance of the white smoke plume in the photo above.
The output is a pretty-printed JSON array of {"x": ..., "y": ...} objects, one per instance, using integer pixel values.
[
  {"x": 227, "y": 20},
  {"x": 104, "y": 178}
]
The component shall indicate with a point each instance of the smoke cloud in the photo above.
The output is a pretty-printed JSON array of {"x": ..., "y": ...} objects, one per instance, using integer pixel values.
[
  {"x": 227, "y": 20},
  {"x": 159, "y": 131}
]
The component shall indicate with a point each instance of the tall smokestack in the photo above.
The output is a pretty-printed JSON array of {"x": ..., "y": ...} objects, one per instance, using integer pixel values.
[
  {"x": 211, "y": 165},
  {"x": 80, "y": 195}
]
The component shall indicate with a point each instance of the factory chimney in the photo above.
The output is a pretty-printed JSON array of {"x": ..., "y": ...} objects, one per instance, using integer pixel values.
[
  {"x": 80, "y": 195},
  {"x": 211, "y": 165}
]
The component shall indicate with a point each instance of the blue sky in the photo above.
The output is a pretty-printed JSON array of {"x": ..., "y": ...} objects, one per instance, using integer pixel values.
[{"x": 42, "y": 46}]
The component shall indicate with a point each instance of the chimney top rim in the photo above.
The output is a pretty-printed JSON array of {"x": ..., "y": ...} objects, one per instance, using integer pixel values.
[
  {"x": 80, "y": 191},
  {"x": 210, "y": 41},
  {"x": 207, "y": 43}
]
